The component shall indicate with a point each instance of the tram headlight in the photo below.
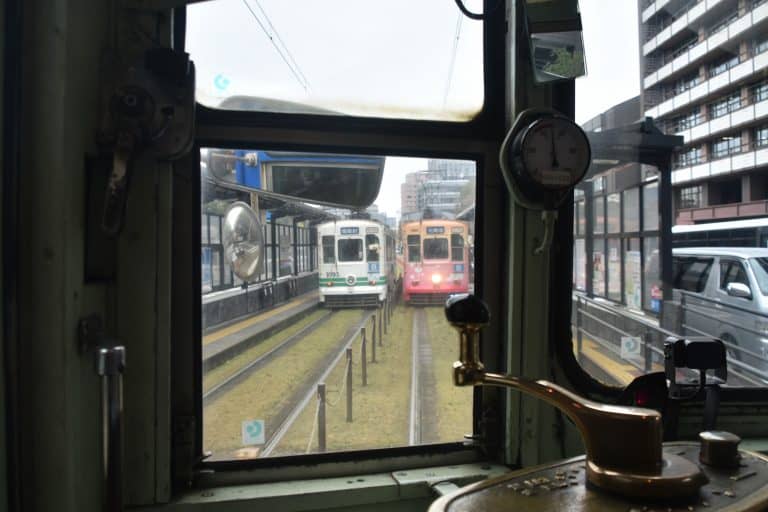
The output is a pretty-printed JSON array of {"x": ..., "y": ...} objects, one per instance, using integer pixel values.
[{"x": 437, "y": 278}]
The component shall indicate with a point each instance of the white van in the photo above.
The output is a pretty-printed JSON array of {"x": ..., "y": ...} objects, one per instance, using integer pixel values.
[{"x": 724, "y": 291}]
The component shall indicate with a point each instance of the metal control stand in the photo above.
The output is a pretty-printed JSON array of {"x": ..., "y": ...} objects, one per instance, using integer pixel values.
[{"x": 110, "y": 363}]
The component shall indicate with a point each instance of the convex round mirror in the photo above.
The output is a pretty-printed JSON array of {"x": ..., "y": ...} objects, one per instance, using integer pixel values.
[{"x": 243, "y": 240}]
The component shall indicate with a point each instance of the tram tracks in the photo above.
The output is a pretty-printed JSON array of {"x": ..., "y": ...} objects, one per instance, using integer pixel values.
[
  {"x": 221, "y": 388},
  {"x": 302, "y": 397},
  {"x": 421, "y": 428}
]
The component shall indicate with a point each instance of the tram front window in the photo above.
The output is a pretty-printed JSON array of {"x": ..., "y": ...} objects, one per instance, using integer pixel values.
[
  {"x": 276, "y": 377},
  {"x": 351, "y": 250},
  {"x": 436, "y": 249}
]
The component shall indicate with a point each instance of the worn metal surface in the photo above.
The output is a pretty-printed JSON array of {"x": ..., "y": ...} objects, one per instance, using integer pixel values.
[{"x": 561, "y": 486}]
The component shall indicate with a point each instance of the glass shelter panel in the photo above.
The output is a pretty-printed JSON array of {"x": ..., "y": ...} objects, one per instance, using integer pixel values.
[{"x": 335, "y": 281}]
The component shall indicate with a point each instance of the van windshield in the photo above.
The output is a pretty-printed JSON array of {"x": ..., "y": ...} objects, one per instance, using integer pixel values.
[{"x": 760, "y": 268}]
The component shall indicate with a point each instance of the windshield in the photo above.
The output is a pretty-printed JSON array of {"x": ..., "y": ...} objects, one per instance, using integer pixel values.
[
  {"x": 351, "y": 250},
  {"x": 399, "y": 59},
  {"x": 276, "y": 374},
  {"x": 760, "y": 269},
  {"x": 435, "y": 248}
]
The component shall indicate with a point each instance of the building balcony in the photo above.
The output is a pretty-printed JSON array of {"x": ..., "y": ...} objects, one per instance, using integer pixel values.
[
  {"x": 751, "y": 157},
  {"x": 715, "y": 40},
  {"x": 722, "y": 211},
  {"x": 737, "y": 118},
  {"x": 652, "y": 9},
  {"x": 710, "y": 87},
  {"x": 686, "y": 19}
]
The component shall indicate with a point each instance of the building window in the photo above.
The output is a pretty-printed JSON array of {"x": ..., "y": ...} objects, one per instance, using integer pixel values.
[
  {"x": 722, "y": 23},
  {"x": 691, "y": 156},
  {"x": 760, "y": 46},
  {"x": 761, "y": 136},
  {"x": 723, "y": 65},
  {"x": 726, "y": 146},
  {"x": 687, "y": 121},
  {"x": 689, "y": 197},
  {"x": 670, "y": 56},
  {"x": 760, "y": 92},
  {"x": 725, "y": 106},
  {"x": 682, "y": 85},
  {"x": 725, "y": 192}
]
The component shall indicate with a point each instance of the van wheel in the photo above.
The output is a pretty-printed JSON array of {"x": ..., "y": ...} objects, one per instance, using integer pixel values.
[{"x": 731, "y": 347}]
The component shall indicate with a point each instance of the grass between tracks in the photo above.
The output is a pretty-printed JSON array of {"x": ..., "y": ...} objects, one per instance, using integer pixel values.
[
  {"x": 220, "y": 373},
  {"x": 265, "y": 392},
  {"x": 454, "y": 404},
  {"x": 381, "y": 410}
]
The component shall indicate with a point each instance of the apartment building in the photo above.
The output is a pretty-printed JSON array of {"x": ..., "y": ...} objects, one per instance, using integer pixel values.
[{"x": 704, "y": 74}]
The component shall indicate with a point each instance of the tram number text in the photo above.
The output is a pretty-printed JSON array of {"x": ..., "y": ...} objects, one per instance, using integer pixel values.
[{"x": 331, "y": 274}]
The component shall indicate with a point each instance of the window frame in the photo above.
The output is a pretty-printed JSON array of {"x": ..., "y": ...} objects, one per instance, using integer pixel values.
[{"x": 384, "y": 458}]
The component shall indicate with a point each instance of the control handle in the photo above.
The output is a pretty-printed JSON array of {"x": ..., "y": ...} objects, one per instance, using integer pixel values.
[{"x": 635, "y": 468}]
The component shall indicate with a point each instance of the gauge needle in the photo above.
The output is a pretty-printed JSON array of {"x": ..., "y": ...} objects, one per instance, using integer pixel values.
[{"x": 554, "y": 154}]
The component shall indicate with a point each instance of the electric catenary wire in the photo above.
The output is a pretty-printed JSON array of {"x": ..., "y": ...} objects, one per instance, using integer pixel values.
[
  {"x": 297, "y": 74},
  {"x": 456, "y": 36},
  {"x": 280, "y": 40}
]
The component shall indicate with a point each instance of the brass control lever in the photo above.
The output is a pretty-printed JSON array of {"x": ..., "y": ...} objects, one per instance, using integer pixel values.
[{"x": 623, "y": 444}]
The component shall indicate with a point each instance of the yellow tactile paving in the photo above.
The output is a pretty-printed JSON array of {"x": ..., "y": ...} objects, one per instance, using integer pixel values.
[
  {"x": 621, "y": 371},
  {"x": 231, "y": 329}
]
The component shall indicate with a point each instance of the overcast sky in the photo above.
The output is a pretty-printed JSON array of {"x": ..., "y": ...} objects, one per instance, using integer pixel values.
[{"x": 398, "y": 55}]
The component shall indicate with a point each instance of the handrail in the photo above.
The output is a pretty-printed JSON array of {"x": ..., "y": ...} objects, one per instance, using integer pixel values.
[{"x": 744, "y": 371}]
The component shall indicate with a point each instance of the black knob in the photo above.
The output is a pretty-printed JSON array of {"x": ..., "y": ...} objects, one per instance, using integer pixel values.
[
  {"x": 719, "y": 449},
  {"x": 466, "y": 309}
]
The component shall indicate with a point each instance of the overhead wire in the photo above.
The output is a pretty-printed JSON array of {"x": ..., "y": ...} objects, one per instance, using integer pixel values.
[
  {"x": 280, "y": 39},
  {"x": 456, "y": 36},
  {"x": 296, "y": 73}
]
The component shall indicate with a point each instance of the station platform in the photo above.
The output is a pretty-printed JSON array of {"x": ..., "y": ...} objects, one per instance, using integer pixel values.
[
  {"x": 227, "y": 342},
  {"x": 605, "y": 365}
]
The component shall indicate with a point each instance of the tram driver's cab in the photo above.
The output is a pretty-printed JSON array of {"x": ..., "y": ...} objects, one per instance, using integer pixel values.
[{"x": 167, "y": 165}]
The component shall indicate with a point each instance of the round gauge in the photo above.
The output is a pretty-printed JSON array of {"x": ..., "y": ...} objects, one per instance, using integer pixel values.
[{"x": 554, "y": 152}]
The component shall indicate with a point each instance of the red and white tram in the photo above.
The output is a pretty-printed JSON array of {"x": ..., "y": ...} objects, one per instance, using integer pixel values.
[{"x": 436, "y": 260}]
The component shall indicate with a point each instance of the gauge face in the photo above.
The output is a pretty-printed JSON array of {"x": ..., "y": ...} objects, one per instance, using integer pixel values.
[{"x": 555, "y": 152}]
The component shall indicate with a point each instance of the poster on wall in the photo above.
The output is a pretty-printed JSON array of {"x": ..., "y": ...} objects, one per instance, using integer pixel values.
[
  {"x": 614, "y": 273},
  {"x": 598, "y": 273},
  {"x": 632, "y": 280}
]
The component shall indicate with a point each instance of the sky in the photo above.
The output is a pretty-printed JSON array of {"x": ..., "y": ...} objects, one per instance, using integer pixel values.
[{"x": 398, "y": 55}]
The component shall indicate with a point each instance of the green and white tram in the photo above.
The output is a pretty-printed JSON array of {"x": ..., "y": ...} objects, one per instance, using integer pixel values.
[{"x": 357, "y": 263}]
